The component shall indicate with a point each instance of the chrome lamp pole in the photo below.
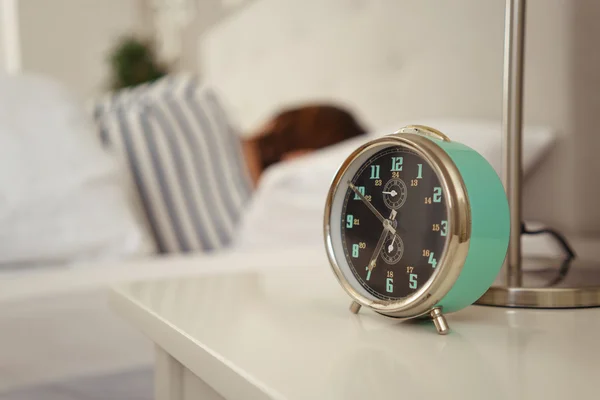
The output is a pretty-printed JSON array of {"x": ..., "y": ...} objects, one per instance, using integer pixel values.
[{"x": 540, "y": 282}]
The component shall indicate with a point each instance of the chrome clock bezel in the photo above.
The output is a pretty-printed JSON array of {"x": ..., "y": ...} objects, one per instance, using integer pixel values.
[{"x": 459, "y": 224}]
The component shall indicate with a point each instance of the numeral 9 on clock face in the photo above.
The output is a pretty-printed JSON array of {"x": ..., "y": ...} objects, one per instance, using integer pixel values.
[{"x": 351, "y": 221}]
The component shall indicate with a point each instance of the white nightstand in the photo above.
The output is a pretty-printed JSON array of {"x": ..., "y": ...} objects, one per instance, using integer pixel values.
[{"x": 288, "y": 334}]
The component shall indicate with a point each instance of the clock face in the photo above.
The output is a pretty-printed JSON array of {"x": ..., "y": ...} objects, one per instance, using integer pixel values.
[{"x": 394, "y": 223}]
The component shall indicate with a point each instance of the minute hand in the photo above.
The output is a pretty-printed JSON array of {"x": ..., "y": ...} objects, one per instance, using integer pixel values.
[{"x": 367, "y": 203}]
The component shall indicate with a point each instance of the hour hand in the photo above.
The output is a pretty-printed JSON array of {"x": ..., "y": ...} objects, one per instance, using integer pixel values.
[
  {"x": 367, "y": 203},
  {"x": 378, "y": 248}
]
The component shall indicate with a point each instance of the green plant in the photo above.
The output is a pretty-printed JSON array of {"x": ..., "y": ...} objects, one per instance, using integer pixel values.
[{"x": 133, "y": 62}]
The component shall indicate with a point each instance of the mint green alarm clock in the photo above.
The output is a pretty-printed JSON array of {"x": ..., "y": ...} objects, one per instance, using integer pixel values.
[{"x": 416, "y": 225}]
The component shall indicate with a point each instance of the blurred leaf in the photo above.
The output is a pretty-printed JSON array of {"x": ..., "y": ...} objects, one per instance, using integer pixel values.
[{"x": 133, "y": 62}]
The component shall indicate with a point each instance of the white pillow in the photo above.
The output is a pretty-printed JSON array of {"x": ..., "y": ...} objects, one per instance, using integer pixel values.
[
  {"x": 62, "y": 198},
  {"x": 485, "y": 137}
]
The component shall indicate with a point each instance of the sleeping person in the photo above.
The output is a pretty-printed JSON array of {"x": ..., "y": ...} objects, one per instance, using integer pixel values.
[
  {"x": 292, "y": 161},
  {"x": 295, "y": 132}
]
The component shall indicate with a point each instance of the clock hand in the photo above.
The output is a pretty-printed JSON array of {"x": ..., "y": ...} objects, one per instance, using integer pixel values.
[
  {"x": 387, "y": 228},
  {"x": 367, "y": 203},
  {"x": 391, "y": 246},
  {"x": 373, "y": 261},
  {"x": 393, "y": 193}
]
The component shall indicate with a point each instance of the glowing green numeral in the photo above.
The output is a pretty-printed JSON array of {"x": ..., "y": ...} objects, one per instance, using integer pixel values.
[
  {"x": 437, "y": 194},
  {"x": 412, "y": 281},
  {"x": 444, "y": 230},
  {"x": 432, "y": 260},
  {"x": 355, "y": 250},
  {"x": 374, "y": 171},
  {"x": 389, "y": 285},
  {"x": 397, "y": 163},
  {"x": 349, "y": 221},
  {"x": 361, "y": 189},
  {"x": 420, "y": 173}
]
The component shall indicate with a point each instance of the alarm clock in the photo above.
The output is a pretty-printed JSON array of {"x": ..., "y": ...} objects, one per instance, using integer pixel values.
[{"x": 416, "y": 225}]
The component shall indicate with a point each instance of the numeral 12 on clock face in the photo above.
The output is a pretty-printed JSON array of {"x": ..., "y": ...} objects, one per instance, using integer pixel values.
[{"x": 397, "y": 163}]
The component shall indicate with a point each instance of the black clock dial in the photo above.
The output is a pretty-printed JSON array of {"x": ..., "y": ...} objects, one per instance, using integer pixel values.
[{"x": 394, "y": 262}]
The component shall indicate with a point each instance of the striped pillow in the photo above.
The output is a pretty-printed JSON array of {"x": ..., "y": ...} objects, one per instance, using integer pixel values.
[{"x": 185, "y": 159}]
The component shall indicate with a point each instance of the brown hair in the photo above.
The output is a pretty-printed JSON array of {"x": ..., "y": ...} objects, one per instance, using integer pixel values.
[{"x": 305, "y": 128}]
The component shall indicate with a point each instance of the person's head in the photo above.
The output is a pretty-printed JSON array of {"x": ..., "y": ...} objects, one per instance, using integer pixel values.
[{"x": 297, "y": 131}]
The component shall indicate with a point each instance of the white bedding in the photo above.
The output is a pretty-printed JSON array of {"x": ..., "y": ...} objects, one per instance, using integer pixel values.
[
  {"x": 62, "y": 198},
  {"x": 288, "y": 206}
]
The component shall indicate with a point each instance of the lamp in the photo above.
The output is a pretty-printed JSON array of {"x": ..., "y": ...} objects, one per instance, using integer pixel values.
[{"x": 533, "y": 283}]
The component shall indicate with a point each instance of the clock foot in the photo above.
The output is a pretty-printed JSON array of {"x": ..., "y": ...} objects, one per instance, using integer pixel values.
[
  {"x": 439, "y": 321},
  {"x": 355, "y": 307}
]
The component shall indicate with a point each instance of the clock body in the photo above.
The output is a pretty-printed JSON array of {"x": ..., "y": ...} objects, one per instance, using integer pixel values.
[{"x": 413, "y": 222}]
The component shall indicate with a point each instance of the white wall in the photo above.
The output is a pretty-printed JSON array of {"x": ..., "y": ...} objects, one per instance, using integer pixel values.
[
  {"x": 406, "y": 60},
  {"x": 2, "y": 60},
  {"x": 209, "y": 13},
  {"x": 70, "y": 39}
]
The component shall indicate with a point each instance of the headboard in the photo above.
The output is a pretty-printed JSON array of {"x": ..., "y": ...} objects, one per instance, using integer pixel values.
[
  {"x": 404, "y": 60},
  {"x": 369, "y": 54}
]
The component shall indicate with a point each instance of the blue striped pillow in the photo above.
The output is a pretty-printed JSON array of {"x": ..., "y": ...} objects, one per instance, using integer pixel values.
[{"x": 186, "y": 161}]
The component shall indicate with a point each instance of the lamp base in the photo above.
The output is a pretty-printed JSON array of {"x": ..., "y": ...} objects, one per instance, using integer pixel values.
[{"x": 549, "y": 283}]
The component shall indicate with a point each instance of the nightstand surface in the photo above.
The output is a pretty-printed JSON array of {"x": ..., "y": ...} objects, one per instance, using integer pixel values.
[{"x": 287, "y": 333}]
